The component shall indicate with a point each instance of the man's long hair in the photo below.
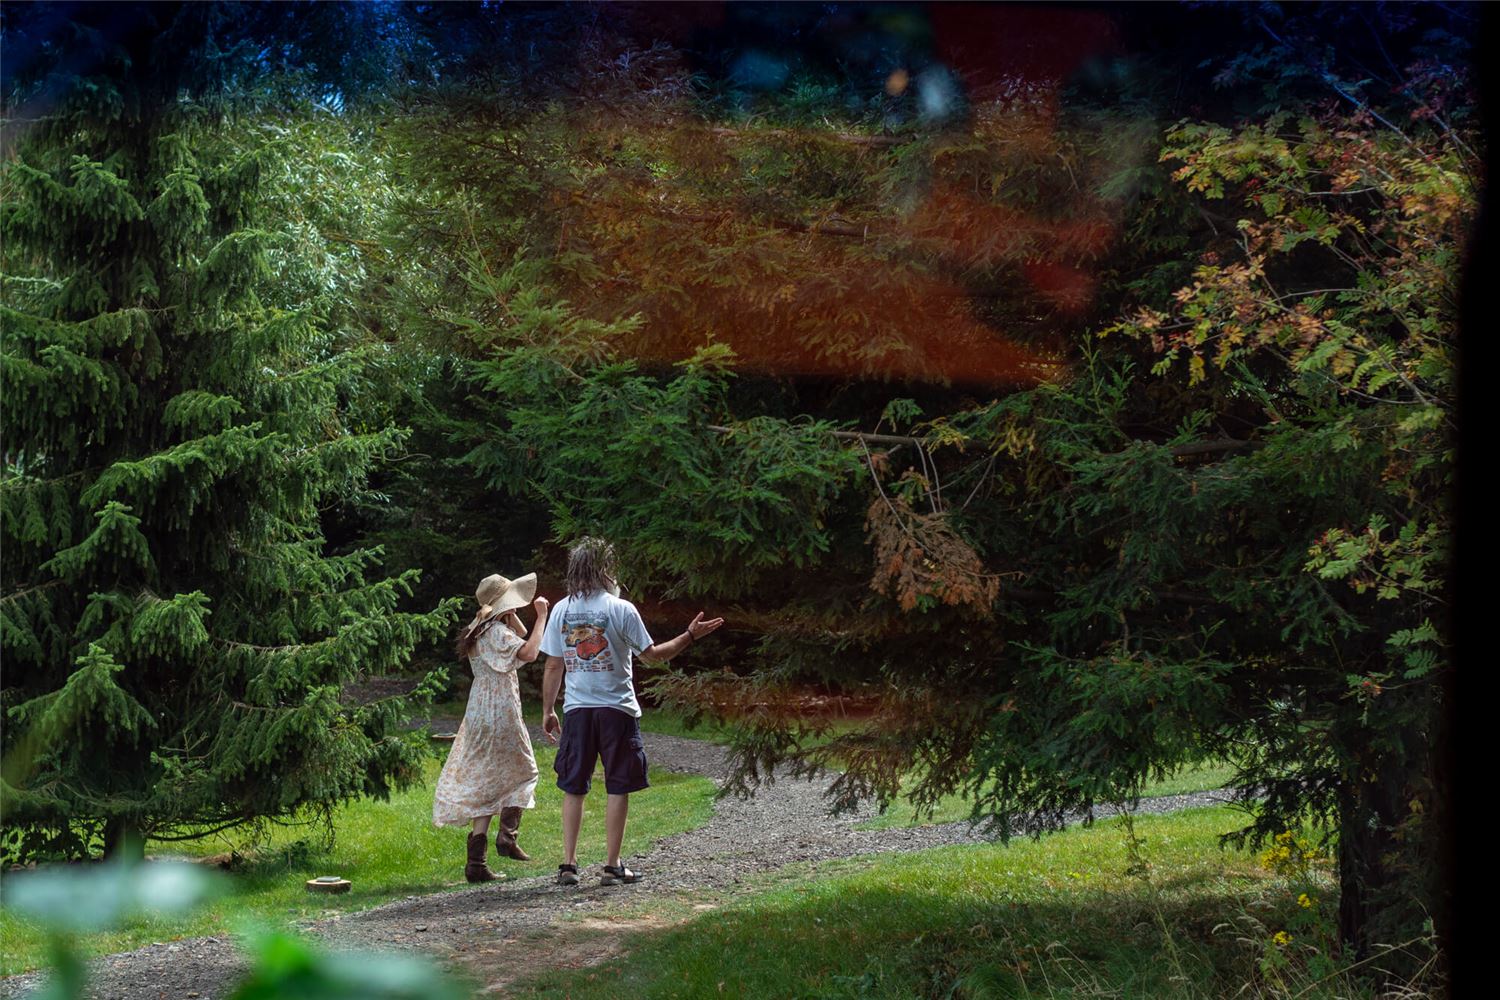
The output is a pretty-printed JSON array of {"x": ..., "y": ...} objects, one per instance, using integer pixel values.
[{"x": 591, "y": 567}]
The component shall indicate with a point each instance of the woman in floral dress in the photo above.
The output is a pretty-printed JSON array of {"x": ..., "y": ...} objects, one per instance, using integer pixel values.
[{"x": 491, "y": 769}]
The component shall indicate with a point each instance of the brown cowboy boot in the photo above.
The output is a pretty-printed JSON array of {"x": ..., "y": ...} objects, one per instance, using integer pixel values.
[
  {"x": 476, "y": 870},
  {"x": 505, "y": 838}
]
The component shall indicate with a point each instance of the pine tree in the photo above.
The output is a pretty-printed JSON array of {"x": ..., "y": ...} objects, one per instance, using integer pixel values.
[{"x": 180, "y": 406}]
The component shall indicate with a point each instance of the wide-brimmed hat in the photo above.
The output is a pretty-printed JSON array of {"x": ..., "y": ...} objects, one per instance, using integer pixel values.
[{"x": 497, "y": 595}]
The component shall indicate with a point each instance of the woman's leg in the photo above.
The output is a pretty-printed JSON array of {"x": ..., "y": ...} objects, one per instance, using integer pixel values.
[
  {"x": 510, "y": 827},
  {"x": 475, "y": 870}
]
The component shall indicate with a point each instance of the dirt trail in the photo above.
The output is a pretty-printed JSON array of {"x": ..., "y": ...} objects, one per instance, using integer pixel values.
[{"x": 500, "y": 932}]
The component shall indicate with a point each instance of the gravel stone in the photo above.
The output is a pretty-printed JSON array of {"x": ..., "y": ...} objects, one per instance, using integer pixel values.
[{"x": 786, "y": 822}]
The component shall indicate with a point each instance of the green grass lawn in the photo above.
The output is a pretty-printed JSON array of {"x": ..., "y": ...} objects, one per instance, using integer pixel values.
[
  {"x": 669, "y": 723},
  {"x": 953, "y": 808},
  {"x": 1058, "y": 917},
  {"x": 1202, "y": 777},
  {"x": 388, "y": 850}
]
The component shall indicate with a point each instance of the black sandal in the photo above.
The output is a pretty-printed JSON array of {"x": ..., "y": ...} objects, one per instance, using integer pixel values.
[
  {"x": 567, "y": 874},
  {"x": 614, "y": 876}
]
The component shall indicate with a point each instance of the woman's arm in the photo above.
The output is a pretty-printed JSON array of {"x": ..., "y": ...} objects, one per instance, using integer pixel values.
[{"x": 533, "y": 645}]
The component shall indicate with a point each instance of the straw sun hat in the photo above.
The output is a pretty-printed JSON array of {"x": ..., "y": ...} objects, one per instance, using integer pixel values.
[{"x": 497, "y": 595}]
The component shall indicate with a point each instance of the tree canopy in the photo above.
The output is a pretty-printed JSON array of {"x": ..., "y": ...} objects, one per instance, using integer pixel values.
[{"x": 1069, "y": 392}]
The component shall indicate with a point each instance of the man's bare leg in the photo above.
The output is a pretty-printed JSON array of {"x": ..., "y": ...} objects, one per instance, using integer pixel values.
[
  {"x": 615, "y": 809},
  {"x": 572, "y": 816}
]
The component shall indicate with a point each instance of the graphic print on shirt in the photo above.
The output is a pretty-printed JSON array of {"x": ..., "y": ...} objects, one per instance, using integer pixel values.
[{"x": 585, "y": 645}]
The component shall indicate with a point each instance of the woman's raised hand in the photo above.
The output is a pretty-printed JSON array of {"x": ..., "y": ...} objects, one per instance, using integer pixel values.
[{"x": 540, "y": 604}]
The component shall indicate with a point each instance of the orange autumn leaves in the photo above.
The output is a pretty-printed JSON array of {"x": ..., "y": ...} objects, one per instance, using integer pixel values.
[
  {"x": 807, "y": 294},
  {"x": 920, "y": 560},
  {"x": 961, "y": 253}
]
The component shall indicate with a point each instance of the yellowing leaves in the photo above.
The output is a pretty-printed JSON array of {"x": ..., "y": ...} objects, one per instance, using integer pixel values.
[
  {"x": 1195, "y": 369},
  {"x": 1344, "y": 252}
]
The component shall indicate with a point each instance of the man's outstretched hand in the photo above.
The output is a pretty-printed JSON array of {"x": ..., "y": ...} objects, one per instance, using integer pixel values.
[{"x": 698, "y": 628}]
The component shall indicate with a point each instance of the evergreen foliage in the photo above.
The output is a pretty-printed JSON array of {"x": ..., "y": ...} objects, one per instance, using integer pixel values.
[
  {"x": 1069, "y": 565},
  {"x": 182, "y": 406}
]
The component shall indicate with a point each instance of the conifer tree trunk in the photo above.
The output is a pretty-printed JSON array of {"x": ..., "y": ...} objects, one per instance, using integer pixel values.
[
  {"x": 1356, "y": 847},
  {"x": 123, "y": 841},
  {"x": 1384, "y": 861}
]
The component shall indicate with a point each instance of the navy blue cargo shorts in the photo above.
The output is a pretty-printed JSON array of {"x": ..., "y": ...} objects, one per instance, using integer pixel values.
[{"x": 589, "y": 734}]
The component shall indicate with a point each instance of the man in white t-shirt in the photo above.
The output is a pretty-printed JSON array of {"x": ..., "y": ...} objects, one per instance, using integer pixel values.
[{"x": 592, "y": 637}]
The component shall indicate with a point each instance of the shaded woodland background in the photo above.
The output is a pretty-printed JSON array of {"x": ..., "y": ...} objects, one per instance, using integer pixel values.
[{"x": 1067, "y": 392}]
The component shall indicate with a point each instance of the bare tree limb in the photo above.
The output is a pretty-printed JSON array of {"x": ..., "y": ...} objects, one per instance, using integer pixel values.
[{"x": 1178, "y": 451}]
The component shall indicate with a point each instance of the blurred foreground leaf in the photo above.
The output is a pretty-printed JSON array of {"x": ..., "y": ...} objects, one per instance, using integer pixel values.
[
  {"x": 95, "y": 897},
  {"x": 287, "y": 968}
]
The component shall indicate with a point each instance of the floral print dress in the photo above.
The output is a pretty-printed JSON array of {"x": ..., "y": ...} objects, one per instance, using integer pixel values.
[{"x": 491, "y": 765}]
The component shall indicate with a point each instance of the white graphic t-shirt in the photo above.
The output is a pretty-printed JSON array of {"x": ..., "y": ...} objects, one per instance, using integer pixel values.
[{"x": 597, "y": 637}]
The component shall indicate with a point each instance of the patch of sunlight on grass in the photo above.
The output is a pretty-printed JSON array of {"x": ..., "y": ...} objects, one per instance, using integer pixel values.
[
  {"x": 387, "y": 850},
  {"x": 1058, "y": 916}
]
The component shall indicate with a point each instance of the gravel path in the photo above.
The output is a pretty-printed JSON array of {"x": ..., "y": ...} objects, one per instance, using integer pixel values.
[{"x": 485, "y": 929}]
